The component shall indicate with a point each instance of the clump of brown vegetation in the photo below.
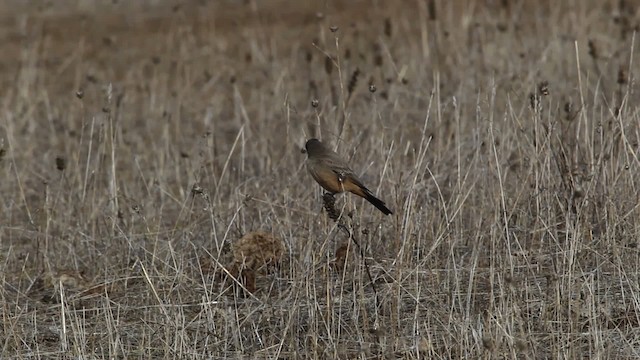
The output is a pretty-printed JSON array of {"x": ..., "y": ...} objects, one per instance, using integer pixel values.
[{"x": 253, "y": 254}]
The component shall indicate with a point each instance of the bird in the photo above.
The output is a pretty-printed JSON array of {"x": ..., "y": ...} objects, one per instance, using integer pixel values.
[{"x": 332, "y": 173}]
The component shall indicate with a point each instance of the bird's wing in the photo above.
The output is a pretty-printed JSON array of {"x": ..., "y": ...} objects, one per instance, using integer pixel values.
[{"x": 343, "y": 171}]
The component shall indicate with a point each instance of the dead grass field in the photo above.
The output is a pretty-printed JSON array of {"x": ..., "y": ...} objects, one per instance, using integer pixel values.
[{"x": 140, "y": 141}]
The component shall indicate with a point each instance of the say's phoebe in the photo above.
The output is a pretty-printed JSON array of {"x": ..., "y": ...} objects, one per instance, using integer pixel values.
[{"x": 333, "y": 174}]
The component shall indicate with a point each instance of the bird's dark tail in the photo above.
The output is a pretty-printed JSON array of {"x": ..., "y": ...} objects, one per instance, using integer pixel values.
[{"x": 377, "y": 203}]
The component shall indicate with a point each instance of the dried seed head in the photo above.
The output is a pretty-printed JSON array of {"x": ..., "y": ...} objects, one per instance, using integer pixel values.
[
  {"x": 333, "y": 28},
  {"x": 315, "y": 103},
  {"x": 569, "y": 112},
  {"x": 313, "y": 88},
  {"x": 329, "y": 202},
  {"x": 377, "y": 55},
  {"x": 328, "y": 65},
  {"x": 377, "y": 60},
  {"x": 196, "y": 190},
  {"x": 568, "y": 107},
  {"x": 593, "y": 50},
  {"x": 353, "y": 81},
  {"x": 431, "y": 9},
  {"x": 107, "y": 40},
  {"x": 622, "y": 76},
  {"x": 534, "y": 101},
  {"x": 543, "y": 88},
  {"x": 387, "y": 27},
  {"x": 80, "y": 94},
  {"x": 61, "y": 164},
  {"x": 578, "y": 192}
]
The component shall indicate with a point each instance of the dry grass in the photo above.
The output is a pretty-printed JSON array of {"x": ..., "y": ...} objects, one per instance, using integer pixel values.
[{"x": 138, "y": 141}]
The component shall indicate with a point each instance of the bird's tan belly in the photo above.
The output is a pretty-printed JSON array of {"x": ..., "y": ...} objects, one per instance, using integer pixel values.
[{"x": 326, "y": 178}]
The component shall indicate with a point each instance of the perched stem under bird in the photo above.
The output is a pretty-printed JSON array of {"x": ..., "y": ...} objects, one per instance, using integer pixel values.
[{"x": 335, "y": 176}]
